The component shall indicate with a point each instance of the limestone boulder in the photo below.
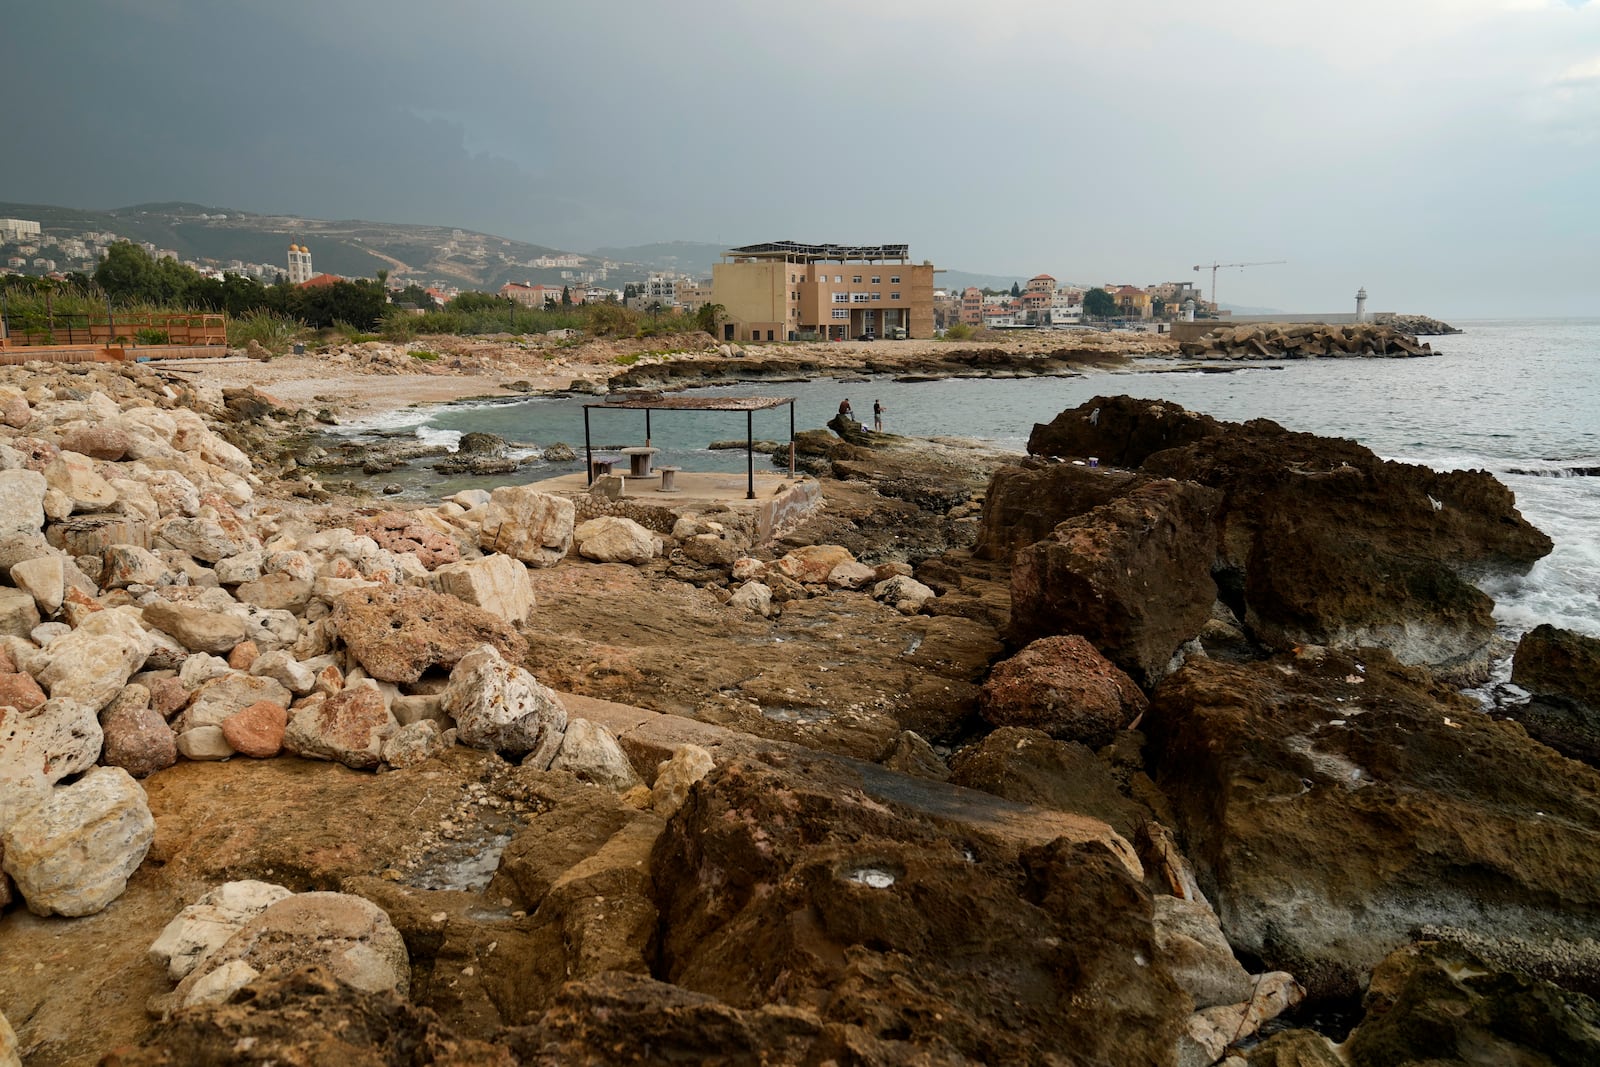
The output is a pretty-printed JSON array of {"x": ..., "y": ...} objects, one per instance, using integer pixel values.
[
  {"x": 614, "y": 539},
  {"x": 1190, "y": 942},
  {"x": 676, "y": 775},
  {"x": 75, "y": 477},
  {"x": 349, "y": 727},
  {"x": 499, "y": 706},
  {"x": 22, "y": 501},
  {"x": 352, "y": 937},
  {"x": 204, "y": 744},
  {"x": 812, "y": 564},
  {"x": 195, "y": 628},
  {"x": 45, "y": 579},
  {"x": 1132, "y": 576},
  {"x": 206, "y": 925},
  {"x": 108, "y": 443},
  {"x": 527, "y": 524},
  {"x": 20, "y": 691},
  {"x": 1064, "y": 687},
  {"x": 904, "y": 593},
  {"x": 204, "y": 539},
  {"x": 73, "y": 854},
  {"x": 416, "y": 742},
  {"x": 591, "y": 752},
  {"x": 397, "y": 633},
  {"x": 230, "y": 692},
  {"x": 125, "y": 565},
  {"x": 19, "y": 612},
  {"x": 1331, "y": 804},
  {"x": 39, "y": 748},
  {"x": 281, "y": 666},
  {"x": 88, "y": 667},
  {"x": 754, "y": 597},
  {"x": 497, "y": 583},
  {"x": 276, "y": 591}
]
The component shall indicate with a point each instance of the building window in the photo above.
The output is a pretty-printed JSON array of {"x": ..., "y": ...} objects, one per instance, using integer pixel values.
[
  {"x": 877, "y": 279},
  {"x": 841, "y": 313},
  {"x": 838, "y": 279},
  {"x": 877, "y": 296},
  {"x": 855, "y": 279},
  {"x": 894, "y": 296},
  {"x": 859, "y": 298},
  {"x": 841, "y": 298},
  {"x": 894, "y": 279}
]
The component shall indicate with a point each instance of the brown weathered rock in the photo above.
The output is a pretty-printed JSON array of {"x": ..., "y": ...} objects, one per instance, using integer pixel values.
[
  {"x": 96, "y": 442},
  {"x": 1555, "y": 662},
  {"x": 1132, "y": 576},
  {"x": 396, "y": 633},
  {"x": 1332, "y": 804},
  {"x": 137, "y": 738},
  {"x": 1024, "y": 504},
  {"x": 904, "y": 934},
  {"x": 257, "y": 730},
  {"x": 276, "y": 592},
  {"x": 243, "y": 655},
  {"x": 195, "y": 628},
  {"x": 20, "y": 691},
  {"x": 168, "y": 696},
  {"x": 1064, "y": 687}
]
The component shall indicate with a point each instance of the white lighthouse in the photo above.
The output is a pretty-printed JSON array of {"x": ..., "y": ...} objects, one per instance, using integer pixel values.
[{"x": 1361, "y": 304}]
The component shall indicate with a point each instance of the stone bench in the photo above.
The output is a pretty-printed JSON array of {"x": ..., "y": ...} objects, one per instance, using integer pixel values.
[
  {"x": 639, "y": 460},
  {"x": 600, "y": 466},
  {"x": 668, "y": 476}
]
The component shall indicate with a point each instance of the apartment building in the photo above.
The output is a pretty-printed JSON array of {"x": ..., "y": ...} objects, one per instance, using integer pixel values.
[
  {"x": 300, "y": 270},
  {"x": 785, "y": 290}
]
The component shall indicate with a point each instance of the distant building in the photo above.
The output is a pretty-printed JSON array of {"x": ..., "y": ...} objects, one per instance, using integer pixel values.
[
  {"x": 19, "y": 230},
  {"x": 317, "y": 281},
  {"x": 783, "y": 290},
  {"x": 972, "y": 306},
  {"x": 531, "y": 296},
  {"x": 300, "y": 270}
]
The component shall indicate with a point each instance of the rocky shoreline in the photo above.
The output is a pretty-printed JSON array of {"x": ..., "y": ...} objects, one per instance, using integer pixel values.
[{"x": 985, "y": 760}]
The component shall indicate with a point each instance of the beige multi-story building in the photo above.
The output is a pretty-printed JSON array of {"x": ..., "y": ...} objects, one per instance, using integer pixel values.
[
  {"x": 300, "y": 270},
  {"x": 787, "y": 291}
]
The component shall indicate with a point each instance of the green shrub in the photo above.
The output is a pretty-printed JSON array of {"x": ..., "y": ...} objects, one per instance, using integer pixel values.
[
  {"x": 150, "y": 335},
  {"x": 627, "y": 360},
  {"x": 273, "y": 332},
  {"x": 424, "y": 355},
  {"x": 961, "y": 331}
]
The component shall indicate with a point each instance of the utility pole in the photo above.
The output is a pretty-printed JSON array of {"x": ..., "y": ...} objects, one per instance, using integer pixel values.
[{"x": 1222, "y": 266}]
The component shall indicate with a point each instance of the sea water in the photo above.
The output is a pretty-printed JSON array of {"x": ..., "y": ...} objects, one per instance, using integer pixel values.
[{"x": 1520, "y": 399}]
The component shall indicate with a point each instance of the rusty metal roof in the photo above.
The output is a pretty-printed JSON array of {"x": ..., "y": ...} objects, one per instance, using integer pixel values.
[{"x": 694, "y": 403}]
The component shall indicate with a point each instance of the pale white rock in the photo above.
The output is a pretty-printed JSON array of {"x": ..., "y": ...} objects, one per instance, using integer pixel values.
[
  {"x": 528, "y": 524},
  {"x": 676, "y": 776},
  {"x": 75, "y": 475},
  {"x": 591, "y": 752},
  {"x": 498, "y": 705},
  {"x": 126, "y": 565},
  {"x": 59, "y": 738},
  {"x": 204, "y": 744},
  {"x": 416, "y": 742},
  {"x": 135, "y": 499},
  {"x": 21, "y": 501},
  {"x": 1190, "y": 942},
  {"x": 173, "y": 493},
  {"x": 685, "y": 526},
  {"x": 19, "y": 612},
  {"x": 233, "y": 692},
  {"x": 1209, "y": 1032},
  {"x": 45, "y": 633},
  {"x": 73, "y": 854},
  {"x": 468, "y": 499},
  {"x": 10, "y": 1047},
  {"x": 45, "y": 579},
  {"x": 283, "y": 668},
  {"x": 747, "y": 567},
  {"x": 497, "y": 583},
  {"x": 217, "y": 986},
  {"x": 206, "y": 925},
  {"x": 754, "y": 597},
  {"x": 907, "y": 595},
  {"x": 411, "y": 569},
  {"x": 88, "y": 667},
  {"x": 410, "y": 708},
  {"x": 194, "y": 627},
  {"x": 202, "y": 538},
  {"x": 269, "y": 628},
  {"x": 851, "y": 575},
  {"x": 199, "y": 668},
  {"x": 614, "y": 539},
  {"x": 292, "y": 562},
  {"x": 57, "y": 505},
  {"x": 245, "y": 567},
  {"x": 348, "y": 935}
]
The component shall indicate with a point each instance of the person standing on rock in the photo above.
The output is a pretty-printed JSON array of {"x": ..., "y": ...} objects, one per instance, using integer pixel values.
[
  {"x": 845, "y": 410},
  {"x": 877, "y": 416}
]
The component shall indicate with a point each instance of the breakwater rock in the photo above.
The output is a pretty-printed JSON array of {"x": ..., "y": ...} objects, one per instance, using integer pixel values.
[
  {"x": 1312, "y": 541},
  {"x": 1305, "y": 341}
]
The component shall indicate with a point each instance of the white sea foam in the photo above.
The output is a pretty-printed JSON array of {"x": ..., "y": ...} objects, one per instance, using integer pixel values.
[{"x": 428, "y": 435}]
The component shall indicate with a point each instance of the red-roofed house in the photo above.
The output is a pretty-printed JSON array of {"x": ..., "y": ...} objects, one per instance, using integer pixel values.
[{"x": 320, "y": 280}]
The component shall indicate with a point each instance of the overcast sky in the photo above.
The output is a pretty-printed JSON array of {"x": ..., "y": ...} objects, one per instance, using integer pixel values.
[{"x": 1445, "y": 154}]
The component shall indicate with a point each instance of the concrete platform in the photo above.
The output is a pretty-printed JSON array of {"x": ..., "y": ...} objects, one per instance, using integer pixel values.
[{"x": 779, "y": 503}]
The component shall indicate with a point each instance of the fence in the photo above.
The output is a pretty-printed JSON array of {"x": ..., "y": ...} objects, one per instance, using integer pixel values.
[{"x": 31, "y": 329}]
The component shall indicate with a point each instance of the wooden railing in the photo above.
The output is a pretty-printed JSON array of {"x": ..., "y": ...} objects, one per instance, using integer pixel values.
[{"x": 130, "y": 331}]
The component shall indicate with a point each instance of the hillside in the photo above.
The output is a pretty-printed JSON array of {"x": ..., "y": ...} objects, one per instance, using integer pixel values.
[{"x": 351, "y": 247}]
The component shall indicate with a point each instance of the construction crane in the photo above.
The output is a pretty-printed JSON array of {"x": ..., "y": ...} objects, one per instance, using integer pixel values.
[{"x": 1224, "y": 266}]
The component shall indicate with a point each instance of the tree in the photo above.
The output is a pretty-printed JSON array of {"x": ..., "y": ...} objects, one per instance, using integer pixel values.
[
  {"x": 127, "y": 273},
  {"x": 1099, "y": 304},
  {"x": 709, "y": 317},
  {"x": 1016, "y": 290}
]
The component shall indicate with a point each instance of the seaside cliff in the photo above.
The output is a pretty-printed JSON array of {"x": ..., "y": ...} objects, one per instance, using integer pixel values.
[{"x": 982, "y": 761}]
